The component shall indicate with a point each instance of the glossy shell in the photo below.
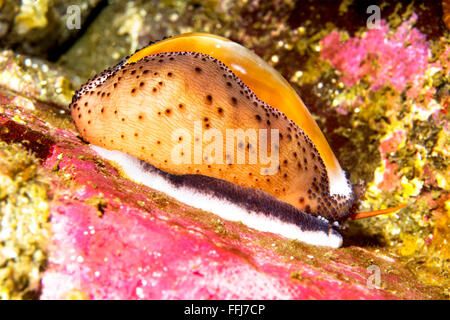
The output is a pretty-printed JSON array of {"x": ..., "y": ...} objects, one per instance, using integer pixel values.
[
  {"x": 267, "y": 84},
  {"x": 136, "y": 106}
]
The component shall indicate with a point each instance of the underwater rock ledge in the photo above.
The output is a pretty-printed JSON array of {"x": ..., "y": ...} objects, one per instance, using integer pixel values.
[{"x": 110, "y": 238}]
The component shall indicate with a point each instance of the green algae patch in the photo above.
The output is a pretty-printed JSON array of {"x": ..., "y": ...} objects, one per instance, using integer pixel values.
[
  {"x": 99, "y": 202},
  {"x": 24, "y": 214},
  {"x": 294, "y": 250}
]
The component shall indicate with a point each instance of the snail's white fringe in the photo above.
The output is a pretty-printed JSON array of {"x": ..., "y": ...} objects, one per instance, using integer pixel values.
[{"x": 135, "y": 171}]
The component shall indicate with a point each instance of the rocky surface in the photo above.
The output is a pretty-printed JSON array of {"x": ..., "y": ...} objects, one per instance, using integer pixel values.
[
  {"x": 110, "y": 238},
  {"x": 43, "y": 28}
]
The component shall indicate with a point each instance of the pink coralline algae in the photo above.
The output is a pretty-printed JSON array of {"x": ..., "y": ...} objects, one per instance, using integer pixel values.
[
  {"x": 390, "y": 144},
  {"x": 381, "y": 57}
]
